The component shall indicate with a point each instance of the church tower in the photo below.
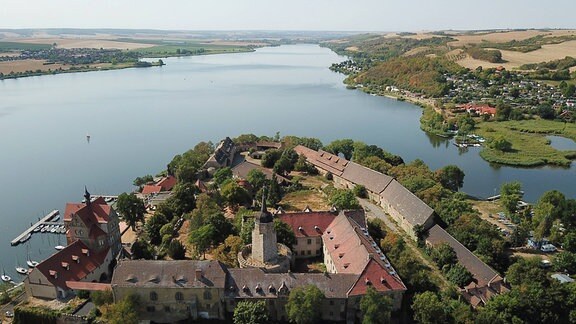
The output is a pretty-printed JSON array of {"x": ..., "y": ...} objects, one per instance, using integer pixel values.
[{"x": 264, "y": 247}]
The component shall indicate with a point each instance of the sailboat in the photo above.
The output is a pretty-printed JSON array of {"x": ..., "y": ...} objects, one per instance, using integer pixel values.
[
  {"x": 30, "y": 263},
  {"x": 5, "y": 277},
  {"x": 21, "y": 270}
]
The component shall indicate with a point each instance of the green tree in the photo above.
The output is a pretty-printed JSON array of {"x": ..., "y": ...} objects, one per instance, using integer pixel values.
[
  {"x": 256, "y": 178},
  {"x": 140, "y": 181},
  {"x": 459, "y": 275},
  {"x": 141, "y": 249},
  {"x": 124, "y": 311},
  {"x": 131, "y": 208},
  {"x": 100, "y": 298},
  {"x": 565, "y": 262},
  {"x": 227, "y": 252},
  {"x": 153, "y": 226},
  {"x": 183, "y": 198},
  {"x": 270, "y": 158},
  {"x": 344, "y": 199},
  {"x": 284, "y": 233},
  {"x": 451, "y": 177},
  {"x": 375, "y": 307},
  {"x": 304, "y": 303},
  {"x": 443, "y": 255},
  {"x": 251, "y": 312},
  {"x": 360, "y": 191},
  {"x": 202, "y": 239},
  {"x": 569, "y": 242},
  {"x": 222, "y": 175},
  {"x": 343, "y": 146},
  {"x": 176, "y": 250},
  {"x": 501, "y": 144},
  {"x": 429, "y": 309},
  {"x": 510, "y": 194},
  {"x": 233, "y": 194}
]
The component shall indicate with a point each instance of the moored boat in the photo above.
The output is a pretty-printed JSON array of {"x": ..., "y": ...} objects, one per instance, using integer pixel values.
[
  {"x": 59, "y": 247},
  {"x": 31, "y": 263},
  {"x": 21, "y": 270},
  {"x": 26, "y": 238}
]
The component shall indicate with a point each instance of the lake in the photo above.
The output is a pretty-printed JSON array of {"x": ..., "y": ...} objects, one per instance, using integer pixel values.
[{"x": 139, "y": 119}]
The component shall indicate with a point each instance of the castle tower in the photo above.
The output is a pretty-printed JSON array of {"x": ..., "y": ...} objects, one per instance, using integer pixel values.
[{"x": 264, "y": 247}]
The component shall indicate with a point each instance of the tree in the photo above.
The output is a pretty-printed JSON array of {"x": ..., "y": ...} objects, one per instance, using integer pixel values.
[
  {"x": 222, "y": 175},
  {"x": 153, "y": 226},
  {"x": 124, "y": 311},
  {"x": 131, "y": 208},
  {"x": 141, "y": 249},
  {"x": 256, "y": 178},
  {"x": 233, "y": 194},
  {"x": 569, "y": 91},
  {"x": 100, "y": 298},
  {"x": 451, "y": 177},
  {"x": 569, "y": 242},
  {"x": 344, "y": 199},
  {"x": 459, "y": 275},
  {"x": 227, "y": 252},
  {"x": 222, "y": 227},
  {"x": 140, "y": 181},
  {"x": 202, "y": 239},
  {"x": 443, "y": 255},
  {"x": 270, "y": 158},
  {"x": 360, "y": 191},
  {"x": 284, "y": 233},
  {"x": 176, "y": 250},
  {"x": 510, "y": 194},
  {"x": 501, "y": 144},
  {"x": 565, "y": 262},
  {"x": 183, "y": 198},
  {"x": 343, "y": 146},
  {"x": 428, "y": 308},
  {"x": 375, "y": 307},
  {"x": 251, "y": 312},
  {"x": 304, "y": 303}
]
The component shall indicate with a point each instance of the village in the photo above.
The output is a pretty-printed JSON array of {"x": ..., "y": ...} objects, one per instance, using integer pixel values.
[{"x": 331, "y": 247}]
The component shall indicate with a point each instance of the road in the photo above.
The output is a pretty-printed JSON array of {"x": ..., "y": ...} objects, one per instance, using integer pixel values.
[{"x": 10, "y": 307}]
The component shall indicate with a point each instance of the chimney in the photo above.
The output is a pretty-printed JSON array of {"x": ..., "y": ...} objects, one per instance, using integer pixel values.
[{"x": 198, "y": 274}]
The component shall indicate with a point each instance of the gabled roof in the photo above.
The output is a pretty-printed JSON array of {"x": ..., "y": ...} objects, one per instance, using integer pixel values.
[
  {"x": 241, "y": 171},
  {"x": 482, "y": 273},
  {"x": 98, "y": 211},
  {"x": 150, "y": 189},
  {"x": 169, "y": 274},
  {"x": 358, "y": 174},
  {"x": 167, "y": 183},
  {"x": 404, "y": 201},
  {"x": 323, "y": 160},
  {"x": 377, "y": 277},
  {"x": 79, "y": 264},
  {"x": 255, "y": 283},
  {"x": 304, "y": 224}
]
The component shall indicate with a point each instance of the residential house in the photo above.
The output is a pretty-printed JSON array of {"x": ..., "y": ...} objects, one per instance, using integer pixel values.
[{"x": 223, "y": 156}]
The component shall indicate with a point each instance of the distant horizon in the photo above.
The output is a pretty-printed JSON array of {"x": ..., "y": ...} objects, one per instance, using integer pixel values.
[{"x": 296, "y": 15}]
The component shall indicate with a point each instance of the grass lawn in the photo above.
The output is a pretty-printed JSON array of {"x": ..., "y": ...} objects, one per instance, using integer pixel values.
[
  {"x": 194, "y": 48},
  {"x": 530, "y": 147},
  {"x": 297, "y": 201}
]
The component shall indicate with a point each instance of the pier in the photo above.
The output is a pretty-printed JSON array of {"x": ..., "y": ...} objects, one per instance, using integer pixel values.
[{"x": 44, "y": 220}]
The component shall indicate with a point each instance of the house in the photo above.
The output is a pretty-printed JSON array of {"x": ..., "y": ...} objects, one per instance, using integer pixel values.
[
  {"x": 486, "y": 281},
  {"x": 163, "y": 184},
  {"x": 479, "y": 109},
  {"x": 308, "y": 228},
  {"x": 355, "y": 174},
  {"x": 325, "y": 162},
  {"x": 406, "y": 209},
  {"x": 93, "y": 237},
  {"x": 223, "y": 156},
  {"x": 172, "y": 291}
]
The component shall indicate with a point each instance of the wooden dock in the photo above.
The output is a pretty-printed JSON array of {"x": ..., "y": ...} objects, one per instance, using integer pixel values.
[{"x": 30, "y": 229}]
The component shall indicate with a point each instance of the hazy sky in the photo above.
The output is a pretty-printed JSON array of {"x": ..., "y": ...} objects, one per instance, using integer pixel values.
[{"x": 349, "y": 15}]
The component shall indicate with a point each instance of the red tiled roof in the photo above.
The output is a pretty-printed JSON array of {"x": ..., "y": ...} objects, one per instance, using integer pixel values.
[
  {"x": 167, "y": 183},
  {"x": 150, "y": 189},
  {"x": 97, "y": 212},
  {"x": 307, "y": 221},
  {"x": 91, "y": 286},
  {"x": 377, "y": 276},
  {"x": 58, "y": 275}
]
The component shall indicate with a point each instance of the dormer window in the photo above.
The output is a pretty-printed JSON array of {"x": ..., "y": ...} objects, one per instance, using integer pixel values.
[
  {"x": 65, "y": 265},
  {"x": 271, "y": 289},
  {"x": 76, "y": 258},
  {"x": 245, "y": 289},
  {"x": 346, "y": 265},
  {"x": 382, "y": 280},
  {"x": 258, "y": 288},
  {"x": 367, "y": 282}
]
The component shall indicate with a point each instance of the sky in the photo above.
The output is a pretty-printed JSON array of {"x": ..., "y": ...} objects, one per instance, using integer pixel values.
[{"x": 323, "y": 15}]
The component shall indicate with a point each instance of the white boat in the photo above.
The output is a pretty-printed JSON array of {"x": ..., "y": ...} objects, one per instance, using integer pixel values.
[
  {"x": 44, "y": 229},
  {"x": 6, "y": 278},
  {"x": 63, "y": 230},
  {"x": 59, "y": 247},
  {"x": 31, "y": 264},
  {"x": 21, "y": 270},
  {"x": 25, "y": 238},
  {"x": 53, "y": 229},
  {"x": 37, "y": 229},
  {"x": 55, "y": 219}
]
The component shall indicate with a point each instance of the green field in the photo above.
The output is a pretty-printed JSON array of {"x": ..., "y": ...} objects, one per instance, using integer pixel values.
[
  {"x": 174, "y": 48},
  {"x": 11, "y": 46},
  {"x": 530, "y": 147}
]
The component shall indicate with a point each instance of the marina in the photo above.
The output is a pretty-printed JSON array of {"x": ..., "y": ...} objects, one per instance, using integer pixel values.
[{"x": 42, "y": 224}]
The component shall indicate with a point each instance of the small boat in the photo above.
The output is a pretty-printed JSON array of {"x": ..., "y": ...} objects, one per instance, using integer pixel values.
[
  {"x": 25, "y": 238},
  {"x": 55, "y": 219},
  {"x": 21, "y": 270},
  {"x": 37, "y": 229},
  {"x": 54, "y": 228},
  {"x": 5, "y": 277},
  {"x": 44, "y": 229},
  {"x": 31, "y": 264},
  {"x": 63, "y": 230},
  {"x": 59, "y": 247}
]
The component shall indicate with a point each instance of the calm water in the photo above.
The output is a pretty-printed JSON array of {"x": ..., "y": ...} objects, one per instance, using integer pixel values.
[
  {"x": 561, "y": 143},
  {"x": 139, "y": 118}
]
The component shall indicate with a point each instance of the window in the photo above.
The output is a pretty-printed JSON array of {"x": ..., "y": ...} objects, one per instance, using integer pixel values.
[
  {"x": 167, "y": 309},
  {"x": 207, "y": 295},
  {"x": 331, "y": 303},
  {"x": 153, "y": 296},
  {"x": 309, "y": 241},
  {"x": 318, "y": 252},
  {"x": 296, "y": 243},
  {"x": 319, "y": 240},
  {"x": 179, "y": 296},
  {"x": 150, "y": 309},
  {"x": 309, "y": 252}
]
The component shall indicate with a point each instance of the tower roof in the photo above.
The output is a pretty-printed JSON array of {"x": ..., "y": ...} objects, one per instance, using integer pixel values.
[{"x": 264, "y": 216}]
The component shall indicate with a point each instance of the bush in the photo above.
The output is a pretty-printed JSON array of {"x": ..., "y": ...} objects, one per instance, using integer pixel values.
[{"x": 360, "y": 191}]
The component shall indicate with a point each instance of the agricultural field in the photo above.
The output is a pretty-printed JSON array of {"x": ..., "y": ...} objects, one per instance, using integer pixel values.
[{"x": 22, "y": 46}]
